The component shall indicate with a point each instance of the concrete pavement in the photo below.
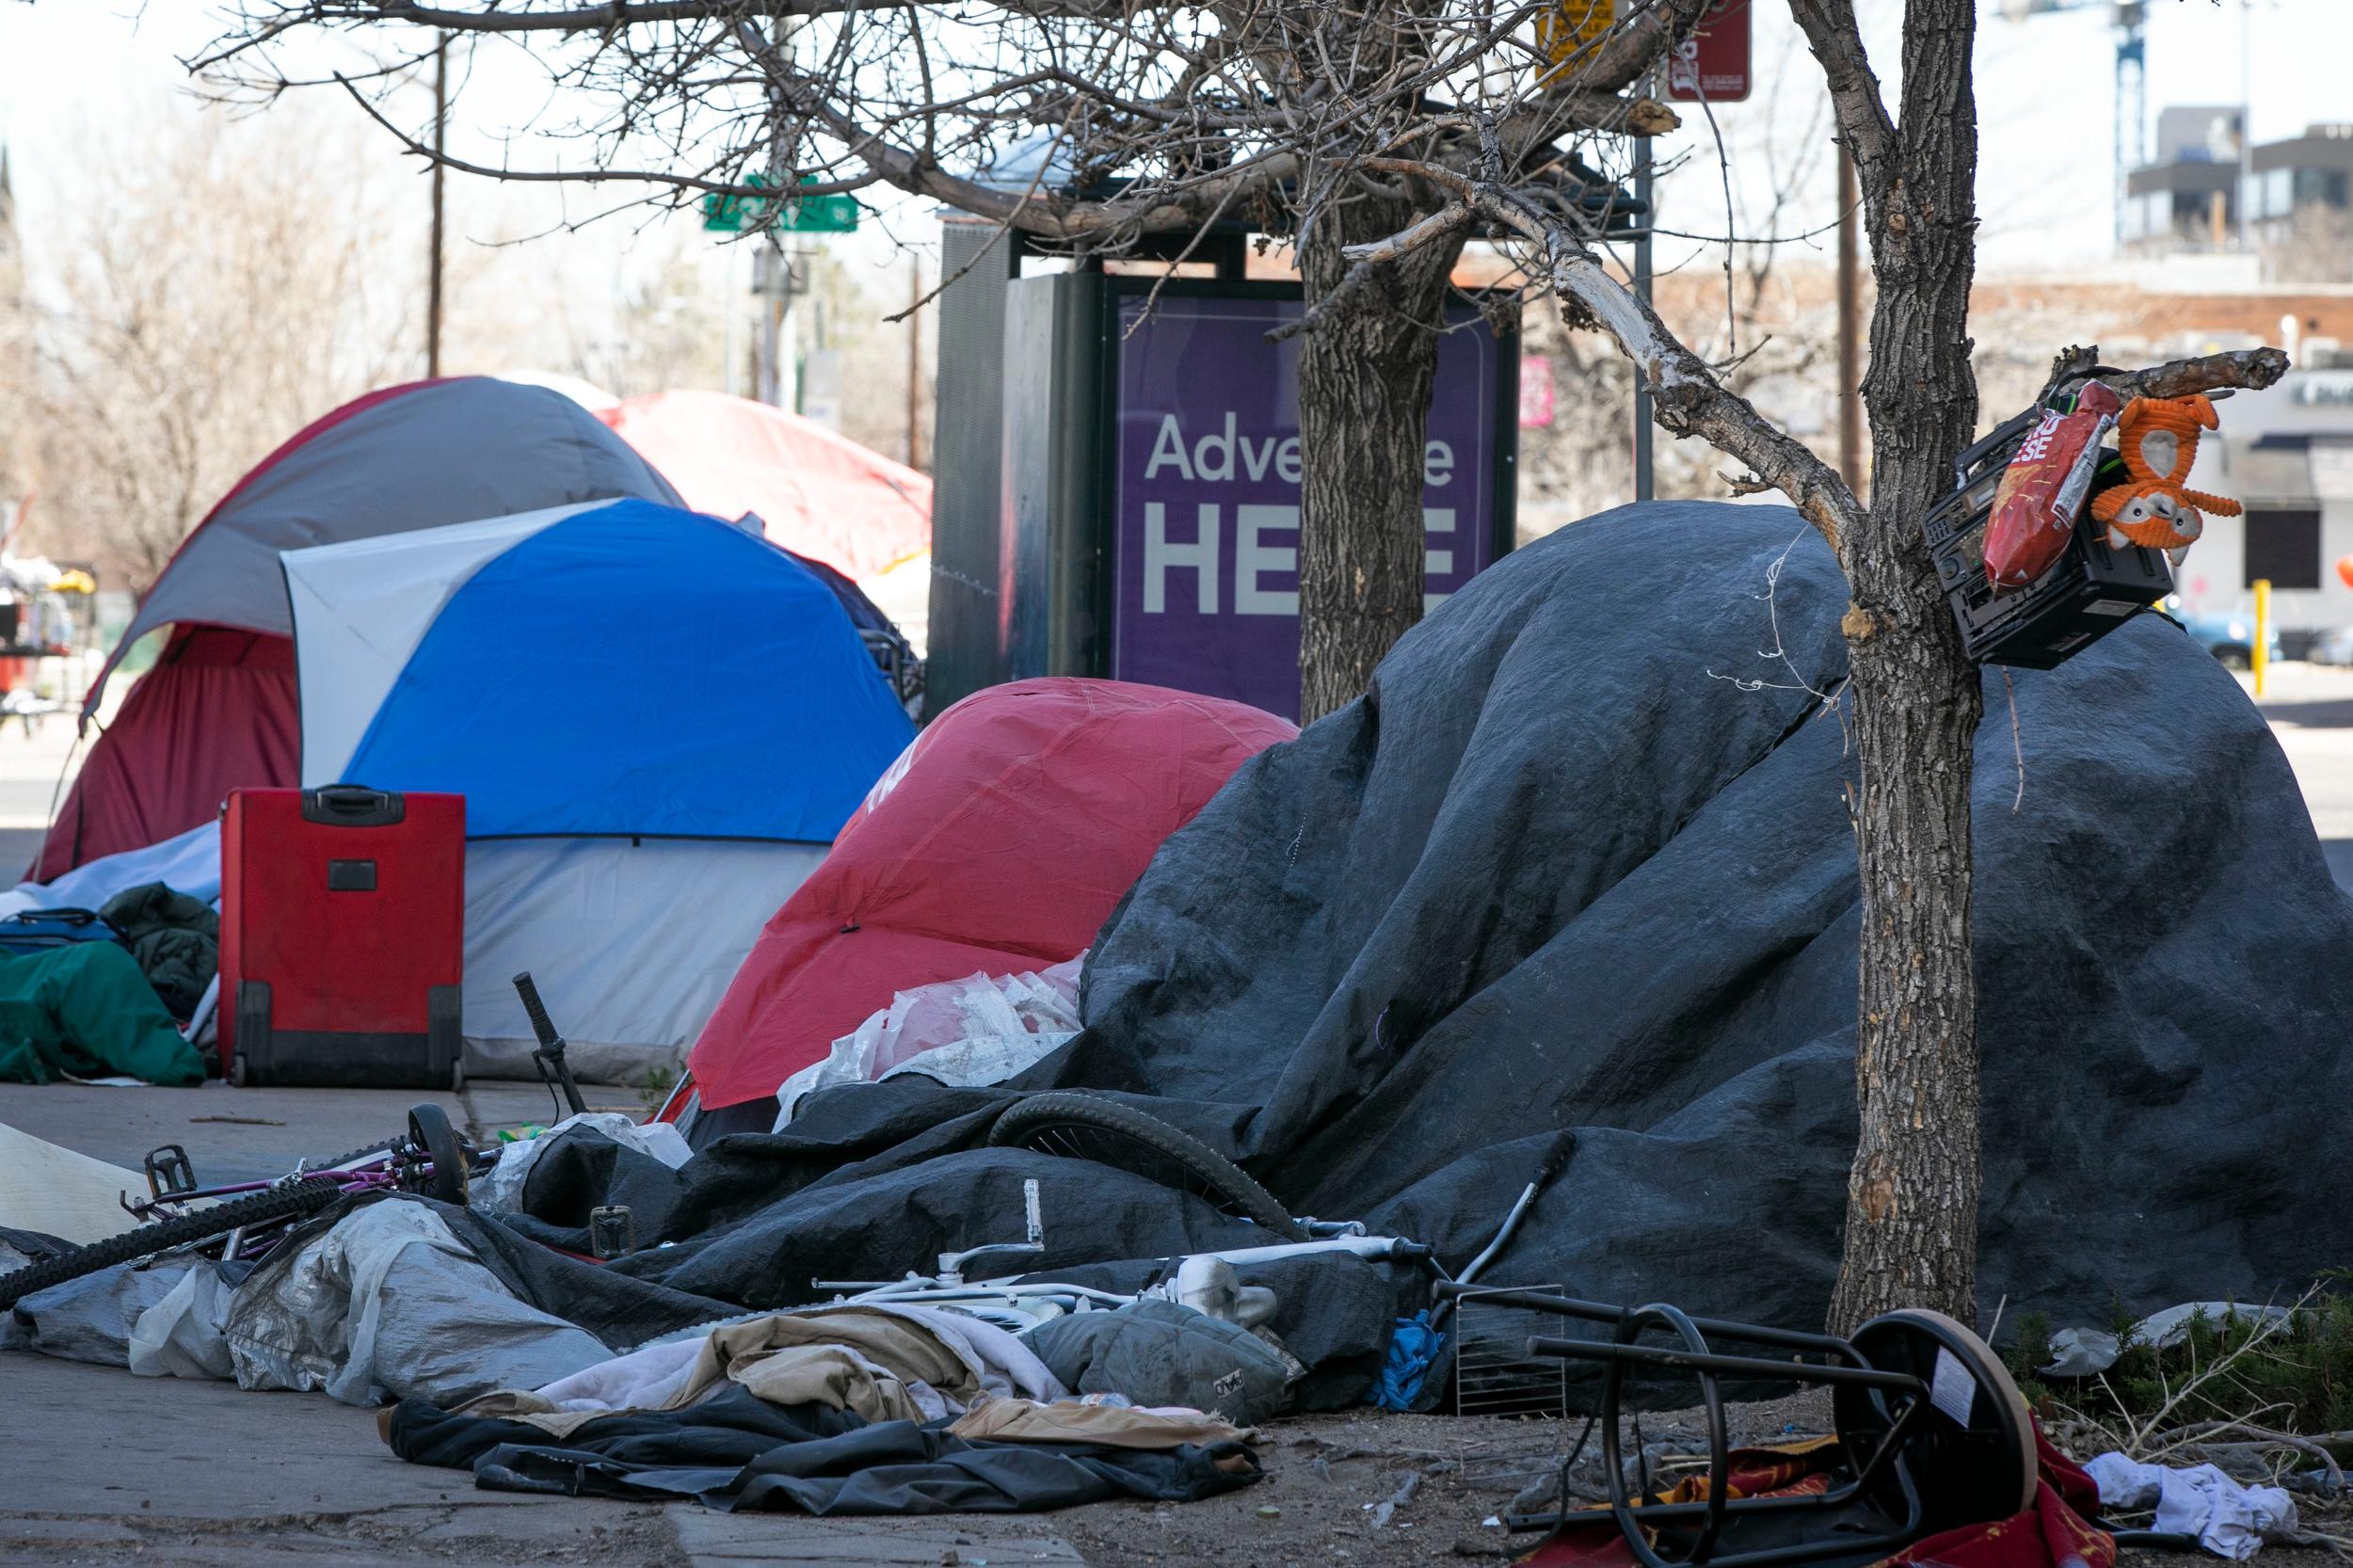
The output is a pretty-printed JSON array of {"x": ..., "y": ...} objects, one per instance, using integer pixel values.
[
  {"x": 105, "y": 1469},
  {"x": 2309, "y": 708},
  {"x": 255, "y": 1134}
]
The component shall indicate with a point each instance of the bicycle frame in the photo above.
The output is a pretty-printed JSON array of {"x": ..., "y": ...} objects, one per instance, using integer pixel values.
[{"x": 363, "y": 1178}]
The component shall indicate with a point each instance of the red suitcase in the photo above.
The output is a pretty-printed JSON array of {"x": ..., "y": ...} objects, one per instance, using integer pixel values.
[{"x": 343, "y": 915}]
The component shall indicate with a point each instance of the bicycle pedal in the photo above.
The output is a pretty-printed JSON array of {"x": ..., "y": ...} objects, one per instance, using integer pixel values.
[{"x": 169, "y": 1171}]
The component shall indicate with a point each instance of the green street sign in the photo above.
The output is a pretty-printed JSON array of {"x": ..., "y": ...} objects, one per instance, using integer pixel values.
[
  {"x": 724, "y": 214},
  {"x": 731, "y": 214},
  {"x": 824, "y": 215}
]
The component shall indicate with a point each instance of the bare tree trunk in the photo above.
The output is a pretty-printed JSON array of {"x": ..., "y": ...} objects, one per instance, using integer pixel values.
[
  {"x": 1912, "y": 1202},
  {"x": 1365, "y": 372}
]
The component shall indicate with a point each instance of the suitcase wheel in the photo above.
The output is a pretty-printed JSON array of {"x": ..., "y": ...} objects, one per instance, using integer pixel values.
[{"x": 236, "y": 1071}]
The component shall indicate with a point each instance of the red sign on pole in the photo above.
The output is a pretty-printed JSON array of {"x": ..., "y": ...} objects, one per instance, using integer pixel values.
[{"x": 1713, "y": 63}]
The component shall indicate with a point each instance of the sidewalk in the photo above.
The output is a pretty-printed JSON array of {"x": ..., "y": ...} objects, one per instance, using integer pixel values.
[
  {"x": 105, "y": 1468},
  {"x": 2311, "y": 710}
]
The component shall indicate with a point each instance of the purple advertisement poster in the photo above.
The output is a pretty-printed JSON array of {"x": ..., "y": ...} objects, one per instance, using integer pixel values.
[{"x": 1205, "y": 555}]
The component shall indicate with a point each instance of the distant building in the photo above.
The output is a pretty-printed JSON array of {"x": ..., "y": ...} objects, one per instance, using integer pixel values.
[
  {"x": 2191, "y": 198},
  {"x": 2311, "y": 174},
  {"x": 2288, "y": 454}
]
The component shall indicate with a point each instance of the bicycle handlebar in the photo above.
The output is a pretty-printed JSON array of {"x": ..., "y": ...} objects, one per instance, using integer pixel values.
[{"x": 536, "y": 1011}]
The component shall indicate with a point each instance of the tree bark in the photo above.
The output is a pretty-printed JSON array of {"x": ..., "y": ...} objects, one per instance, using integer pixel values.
[
  {"x": 1365, "y": 370},
  {"x": 1912, "y": 1198}
]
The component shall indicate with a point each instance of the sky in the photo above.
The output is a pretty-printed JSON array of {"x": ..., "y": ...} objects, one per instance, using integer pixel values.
[{"x": 2046, "y": 86}]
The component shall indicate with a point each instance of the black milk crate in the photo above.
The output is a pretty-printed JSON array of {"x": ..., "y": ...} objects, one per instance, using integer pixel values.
[{"x": 2089, "y": 592}]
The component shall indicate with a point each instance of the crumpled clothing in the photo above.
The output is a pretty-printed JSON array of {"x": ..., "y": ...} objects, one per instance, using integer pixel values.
[
  {"x": 980, "y": 1030},
  {"x": 1095, "y": 1420},
  {"x": 1414, "y": 1346},
  {"x": 736, "y": 1452},
  {"x": 86, "y": 1010},
  {"x": 2229, "y": 1519},
  {"x": 881, "y": 1361},
  {"x": 500, "y": 1191},
  {"x": 174, "y": 938},
  {"x": 648, "y": 1378}
]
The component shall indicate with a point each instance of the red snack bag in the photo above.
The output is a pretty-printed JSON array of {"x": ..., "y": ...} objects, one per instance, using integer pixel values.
[{"x": 2043, "y": 490}]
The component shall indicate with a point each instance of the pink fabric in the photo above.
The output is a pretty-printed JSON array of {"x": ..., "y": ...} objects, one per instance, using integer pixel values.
[
  {"x": 997, "y": 844},
  {"x": 217, "y": 713},
  {"x": 821, "y": 494}
]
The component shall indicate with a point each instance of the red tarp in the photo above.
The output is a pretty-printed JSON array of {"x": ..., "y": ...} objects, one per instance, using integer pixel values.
[
  {"x": 997, "y": 844},
  {"x": 821, "y": 494},
  {"x": 217, "y": 713}
]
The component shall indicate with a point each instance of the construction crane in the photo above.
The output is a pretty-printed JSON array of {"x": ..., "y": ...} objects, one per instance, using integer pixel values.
[{"x": 2131, "y": 20}]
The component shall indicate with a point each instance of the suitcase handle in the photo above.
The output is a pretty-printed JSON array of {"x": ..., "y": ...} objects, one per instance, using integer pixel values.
[
  {"x": 71, "y": 917},
  {"x": 353, "y": 806}
]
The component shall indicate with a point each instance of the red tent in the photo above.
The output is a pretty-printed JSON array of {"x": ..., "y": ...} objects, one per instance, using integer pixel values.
[
  {"x": 218, "y": 711},
  {"x": 997, "y": 843},
  {"x": 821, "y": 494}
]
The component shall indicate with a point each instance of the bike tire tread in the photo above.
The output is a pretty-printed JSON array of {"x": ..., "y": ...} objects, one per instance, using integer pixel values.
[
  {"x": 307, "y": 1197},
  {"x": 1042, "y": 1113}
]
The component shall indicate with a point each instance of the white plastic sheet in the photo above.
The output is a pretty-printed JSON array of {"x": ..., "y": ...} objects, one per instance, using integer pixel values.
[
  {"x": 501, "y": 1189},
  {"x": 187, "y": 863},
  {"x": 975, "y": 1030}
]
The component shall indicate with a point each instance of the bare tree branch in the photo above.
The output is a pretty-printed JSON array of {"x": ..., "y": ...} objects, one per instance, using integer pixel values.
[
  {"x": 1688, "y": 398},
  {"x": 1831, "y": 32},
  {"x": 2250, "y": 368}
]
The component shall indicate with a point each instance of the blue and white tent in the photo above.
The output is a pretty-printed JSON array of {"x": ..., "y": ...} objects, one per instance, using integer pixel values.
[{"x": 659, "y": 721}]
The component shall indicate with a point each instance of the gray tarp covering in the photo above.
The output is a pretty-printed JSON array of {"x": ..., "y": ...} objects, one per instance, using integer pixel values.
[{"x": 1558, "y": 870}]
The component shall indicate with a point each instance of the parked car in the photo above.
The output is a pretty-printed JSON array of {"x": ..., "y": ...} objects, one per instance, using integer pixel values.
[
  {"x": 2229, "y": 637},
  {"x": 2333, "y": 648}
]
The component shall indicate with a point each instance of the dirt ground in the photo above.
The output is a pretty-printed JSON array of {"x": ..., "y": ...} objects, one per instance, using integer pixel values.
[{"x": 1326, "y": 1476}]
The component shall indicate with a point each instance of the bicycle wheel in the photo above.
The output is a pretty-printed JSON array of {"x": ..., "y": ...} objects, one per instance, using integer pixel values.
[
  {"x": 382, "y": 1146},
  {"x": 276, "y": 1202},
  {"x": 430, "y": 1133},
  {"x": 1082, "y": 1127}
]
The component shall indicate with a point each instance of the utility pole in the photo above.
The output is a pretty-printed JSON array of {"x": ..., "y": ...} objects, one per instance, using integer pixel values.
[
  {"x": 1849, "y": 323},
  {"x": 775, "y": 374},
  {"x": 915, "y": 362},
  {"x": 768, "y": 285},
  {"x": 433, "y": 269}
]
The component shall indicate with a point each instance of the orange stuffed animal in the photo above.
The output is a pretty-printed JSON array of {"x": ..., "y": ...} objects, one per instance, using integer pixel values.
[{"x": 2154, "y": 508}]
